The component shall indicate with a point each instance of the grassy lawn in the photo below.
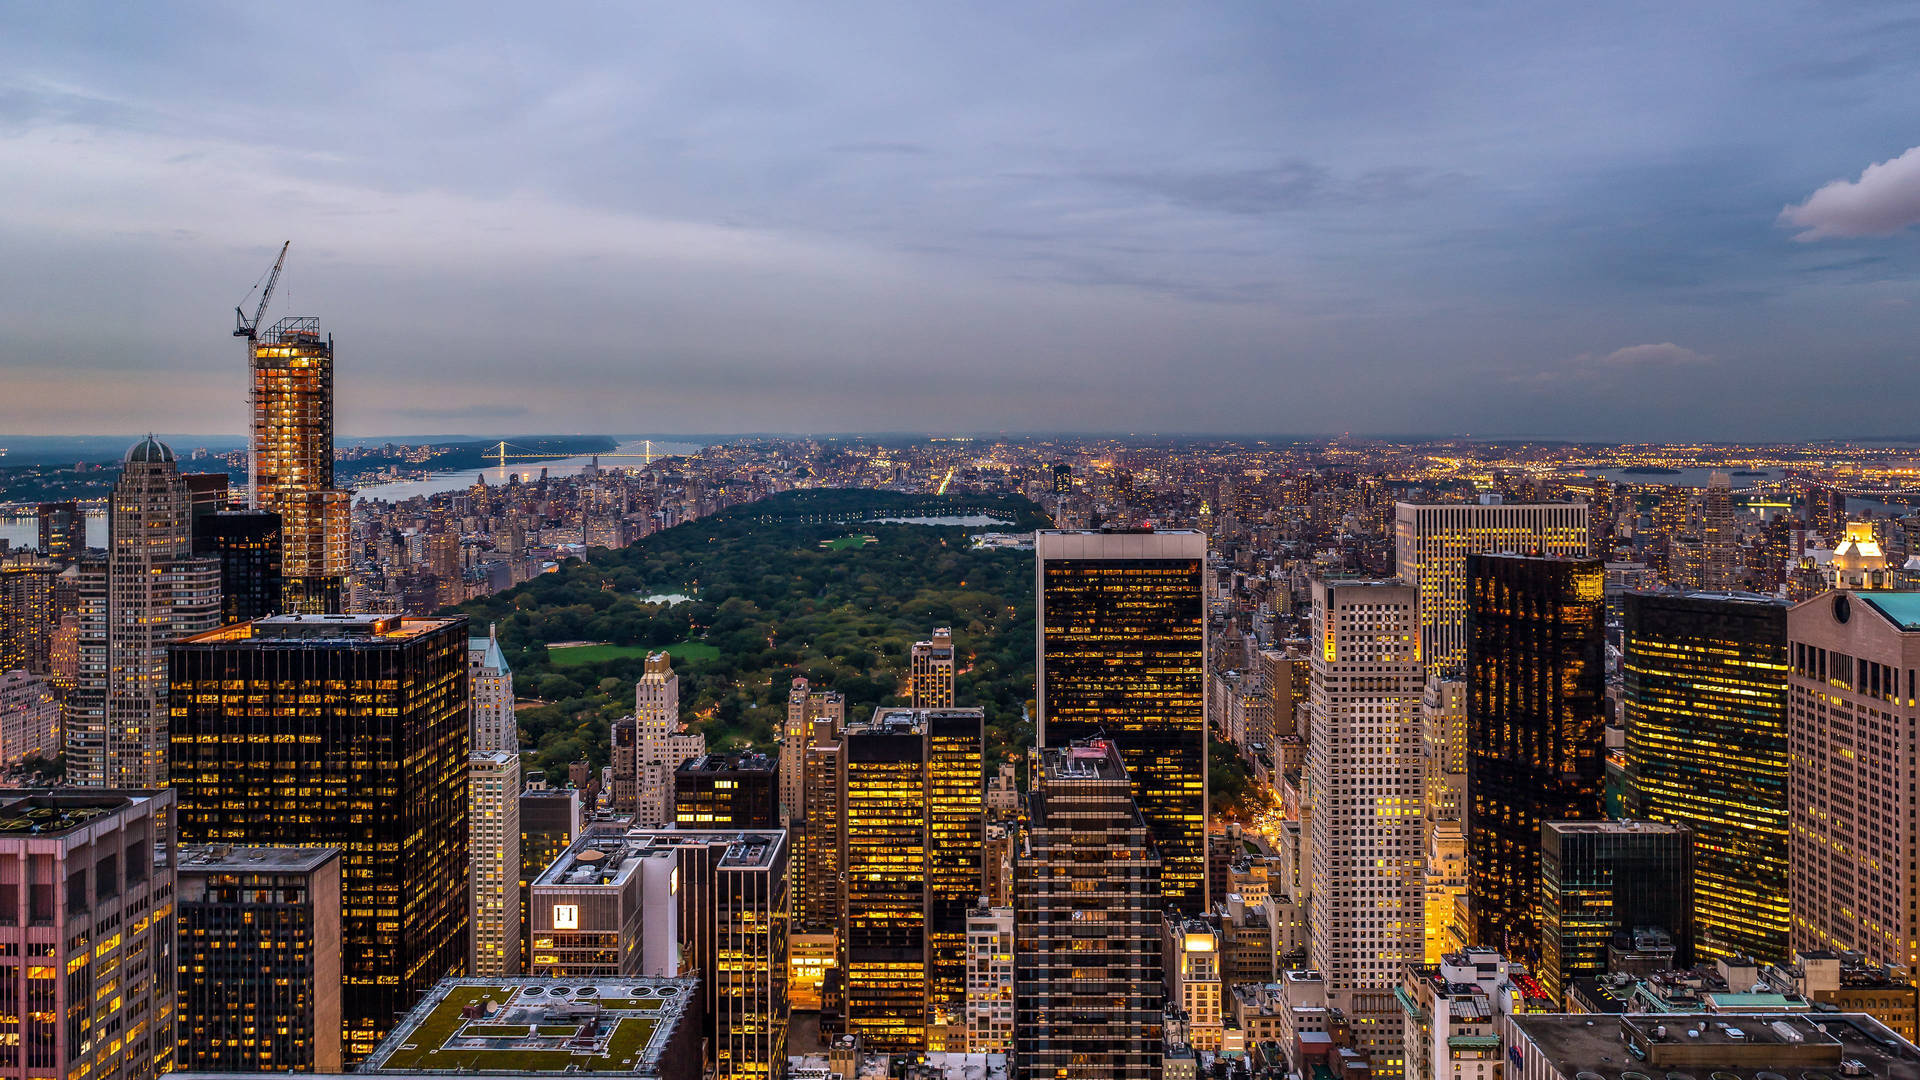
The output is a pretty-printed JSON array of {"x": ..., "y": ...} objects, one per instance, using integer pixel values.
[{"x": 578, "y": 655}]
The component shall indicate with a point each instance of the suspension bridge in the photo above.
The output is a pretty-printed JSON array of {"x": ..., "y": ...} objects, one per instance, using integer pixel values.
[{"x": 503, "y": 450}]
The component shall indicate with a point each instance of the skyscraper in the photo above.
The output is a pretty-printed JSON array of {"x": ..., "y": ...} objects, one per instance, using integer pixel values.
[
  {"x": 1366, "y": 909},
  {"x": 646, "y": 752},
  {"x": 807, "y": 710},
  {"x": 1536, "y": 707},
  {"x": 932, "y": 671},
  {"x": 493, "y": 843},
  {"x": 1122, "y": 652},
  {"x": 1853, "y": 837},
  {"x": 345, "y": 730},
  {"x": 29, "y": 718},
  {"x": 1720, "y": 534},
  {"x": 63, "y": 531},
  {"x": 291, "y": 464},
  {"x": 722, "y": 791},
  {"x": 259, "y": 963},
  {"x": 818, "y": 888},
  {"x": 550, "y": 818},
  {"x": 246, "y": 543},
  {"x": 1443, "y": 726},
  {"x": 956, "y": 839},
  {"x": 29, "y": 616},
  {"x": 1432, "y": 542},
  {"x": 1088, "y": 998},
  {"x": 1705, "y": 708},
  {"x": 490, "y": 690},
  {"x": 989, "y": 1007},
  {"x": 1599, "y": 877},
  {"x": 884, "y": 867},
  {"x": 156, "y": 591}
]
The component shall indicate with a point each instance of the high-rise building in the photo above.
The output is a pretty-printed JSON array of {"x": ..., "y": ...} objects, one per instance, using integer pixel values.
[
  {"x": 1536, "y": 713},
  {"x": 1366, "y": 897},
  {"x": 989, "y": 1006},
  {"x": 493, "y": 843},
  {"x": 884, "y": 866},
  {"x": 807, "y": 710},
  {"x": 63, "y": 531},
  {"x": 29, "y": 718},
  {"x": 156, "y": 591},
  {"x": 1122, "y": 652},
  {"x": 1432, "y": 542},
  {"x": 722, "y": 791},
  {"x": 1598, "y": 878},
  {"x": 550, "y": 818},
  {"x": 259, "y": 959},
  {"x": 1705, "y": 708},
  {"x": 932, "y": 671},
  {"x": 648, "y": 749},
  {"x": 29, "y": 616},
  {"x": 1853, "y": 836},
  {"x": 1062, "y": 479},
  {"x": 344, "y": 730},
  {"x": 1443, "y": 728},
  {"x": 956, "y": 840},
  {"x": 87, "y": 934},
  {"x": 1088, "y": 999},
  {"x": 1194, "y": 956},
  {"x": 819, "y": 890},
  {"x": 1720, "y": 534},
  {"x": 1453, "y": 1009},
  {"x": 247, "y": 545},
  {"x": 290, "y": 468},
  {"x": 490, "y": 690}
]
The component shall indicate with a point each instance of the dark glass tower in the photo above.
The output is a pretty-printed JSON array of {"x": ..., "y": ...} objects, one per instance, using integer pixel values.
[
  {"x": 718, "y": 791},
  {"x": 344, "y": 730},
  {"x": 883, "y": 923},
  {"x": 1599, "y": 877},
  {"x": 1122, "y": 653},
  {"x": 1536, "y": 710},
  {"x": 956, "y": 841},
  {"x": 63, "y": 531},
  {"x": 247, "y": 543},
  {"x": 1706, "y": 719}
]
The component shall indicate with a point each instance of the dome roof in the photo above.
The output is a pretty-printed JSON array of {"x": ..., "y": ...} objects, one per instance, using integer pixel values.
[{"x": 149, "y": 449}]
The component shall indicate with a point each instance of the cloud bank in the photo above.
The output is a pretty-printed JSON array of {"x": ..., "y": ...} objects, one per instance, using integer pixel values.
[{"x": 1885, "y": 200}]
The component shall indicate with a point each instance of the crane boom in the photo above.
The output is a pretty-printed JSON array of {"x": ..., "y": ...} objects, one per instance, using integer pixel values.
[{"x": 242, "y": 327}]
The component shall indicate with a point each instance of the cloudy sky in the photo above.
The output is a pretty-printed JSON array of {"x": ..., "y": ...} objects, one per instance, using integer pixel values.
[{"x": 1608, "y": 220}]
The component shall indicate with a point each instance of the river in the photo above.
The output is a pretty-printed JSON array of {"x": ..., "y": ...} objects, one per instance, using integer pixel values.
[{"x": 459, "y": 480}]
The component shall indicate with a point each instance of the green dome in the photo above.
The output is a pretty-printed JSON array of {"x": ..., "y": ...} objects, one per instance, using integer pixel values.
[{"x": 149, "y": 450}]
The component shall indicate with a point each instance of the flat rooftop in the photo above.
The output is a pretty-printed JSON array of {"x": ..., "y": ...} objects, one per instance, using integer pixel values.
[
  {"x": 56, "y": 814},
  {"x": 223, "y": 858},
  {"x": 1746, "y": 1046},
  {"x": 323, "y": 627},
  {"x": 746, "y": 849},
  {"x": 539, "y": 1025},
  {"x": 1622, "y": 828}
]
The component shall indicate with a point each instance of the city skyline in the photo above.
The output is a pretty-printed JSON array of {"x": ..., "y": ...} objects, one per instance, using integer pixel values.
[{"x": 1146, "y": 220}]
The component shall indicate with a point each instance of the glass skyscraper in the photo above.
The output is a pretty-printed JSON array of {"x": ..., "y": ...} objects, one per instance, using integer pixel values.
[
  {"x": 1599, "y": 877},
  {"x": 1706, "y": 718},
  {"x": 291, "y": 466},
  {"x": 345, "y": 730},
  {"x": 1536, "y": 710},
  {"x": 1122, "y": 653}
]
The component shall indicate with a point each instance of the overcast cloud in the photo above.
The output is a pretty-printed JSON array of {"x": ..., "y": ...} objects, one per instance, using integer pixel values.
[{"x": 992, "y": 216}]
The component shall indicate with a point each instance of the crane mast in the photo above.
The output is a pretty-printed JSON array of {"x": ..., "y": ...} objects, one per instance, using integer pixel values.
[{"x": 249, "y": 329}]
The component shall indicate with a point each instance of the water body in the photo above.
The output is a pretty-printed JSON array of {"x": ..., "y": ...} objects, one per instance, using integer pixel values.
[
  {"x": 21, "y": 532},
  {"x": 667, "y": 598},
  {"x": 1682, "y": 477},
  {"x": 968, "y": 521},
  {"x": 461, "y": 479}
]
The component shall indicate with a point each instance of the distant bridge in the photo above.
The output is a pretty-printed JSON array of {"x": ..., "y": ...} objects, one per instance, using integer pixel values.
[{"x": 504, "y": 449}]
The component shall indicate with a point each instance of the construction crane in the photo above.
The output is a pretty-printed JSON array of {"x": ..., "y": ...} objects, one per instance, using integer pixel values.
[{"x": 248, "y": 328}]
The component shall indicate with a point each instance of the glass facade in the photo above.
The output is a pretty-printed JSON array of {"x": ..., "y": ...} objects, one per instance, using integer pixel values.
[
  {"x": 292, "y": 461},
  {"x": 956, "y": 842},
  {"x": 1123, "y": 654},
  {"x": 884, "y": 853},
  {"x": 717, "y": 791},
  {"x": 247, "y": 545},
  {"x": 1706, "y": 719},
  {"x": 1597, "y": 878},
  {"x": 1536, "y": 713},
  {"x": 348, "y": 731}
]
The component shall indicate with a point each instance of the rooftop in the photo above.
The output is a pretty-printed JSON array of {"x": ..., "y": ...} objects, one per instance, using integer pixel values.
[
  {"x": 49, "y": 814},
  {"x": 539, "y": 1025},
  {"x": 747, "y": 849},
  {"x": 1615, "y": 827},
  {"x": 1750, "y": 1046},
  {"x": 323, "y": 627},
  {"x": 1902, "y": 609},
  {"x": 214, "y": 858}
]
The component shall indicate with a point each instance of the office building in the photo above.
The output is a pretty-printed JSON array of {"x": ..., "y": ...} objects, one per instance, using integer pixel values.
[
  {"x": 86, "y": 941},
  {"x": 290, "y": 468},
  {"x": 884, "y": 868},
  {"x": 956, "y": 843},
  {"x": 818, "y": 888},
  {"x": 649, "y": 746},
  {"x": 1366, "y": 900},
  {"x": 1536, "y": 710},
  {"x": 931, "y": 685},
  {"x": 726, "y": 791},
  {"x": 1432, "y": 542},
  {"x": 550, "y": 819},
  {"x": 1088, "y": 996},
  {"x": 29, "y": 616},
  {"x": 63, "y": 531},
  {"x": 246, "y": 544},
  {"x": 989, "y": 1002},
  {"x": 1443, "y": 730},
  {"x": 1760, "y": 1043},
  {"x": 1194, "y": 957},
  {"x": 1720, "y": 534},
  {"x": 351, "y": 731},
  {"x": 813, "y": 717},
  {"x": 259, "y": 959},
  {"x": 1705, "y": 710},
  {"x": 529, "y": 1027},
  {"x": 1122, "y": 653},
  {"x": 1852, "y": 823},
  {"x": 29, "y": 718},
  {"x": 1062, "y": 479},
  {"x": 493, "y": 843},
  {"x": 490, "y": 692},
  {"x": 1598, "y": 878},
  {"x": 155, "y": 591}
]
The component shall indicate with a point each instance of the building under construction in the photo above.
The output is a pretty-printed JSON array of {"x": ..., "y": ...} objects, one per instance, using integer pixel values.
[{"x": 292, "y": 461}]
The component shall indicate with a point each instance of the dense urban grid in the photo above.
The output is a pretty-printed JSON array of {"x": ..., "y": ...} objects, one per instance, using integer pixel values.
[{"x": 964, "y": 757}]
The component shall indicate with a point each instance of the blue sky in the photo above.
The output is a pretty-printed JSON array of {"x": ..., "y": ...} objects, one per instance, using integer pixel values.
[{"x": 1572, "y": 220}]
